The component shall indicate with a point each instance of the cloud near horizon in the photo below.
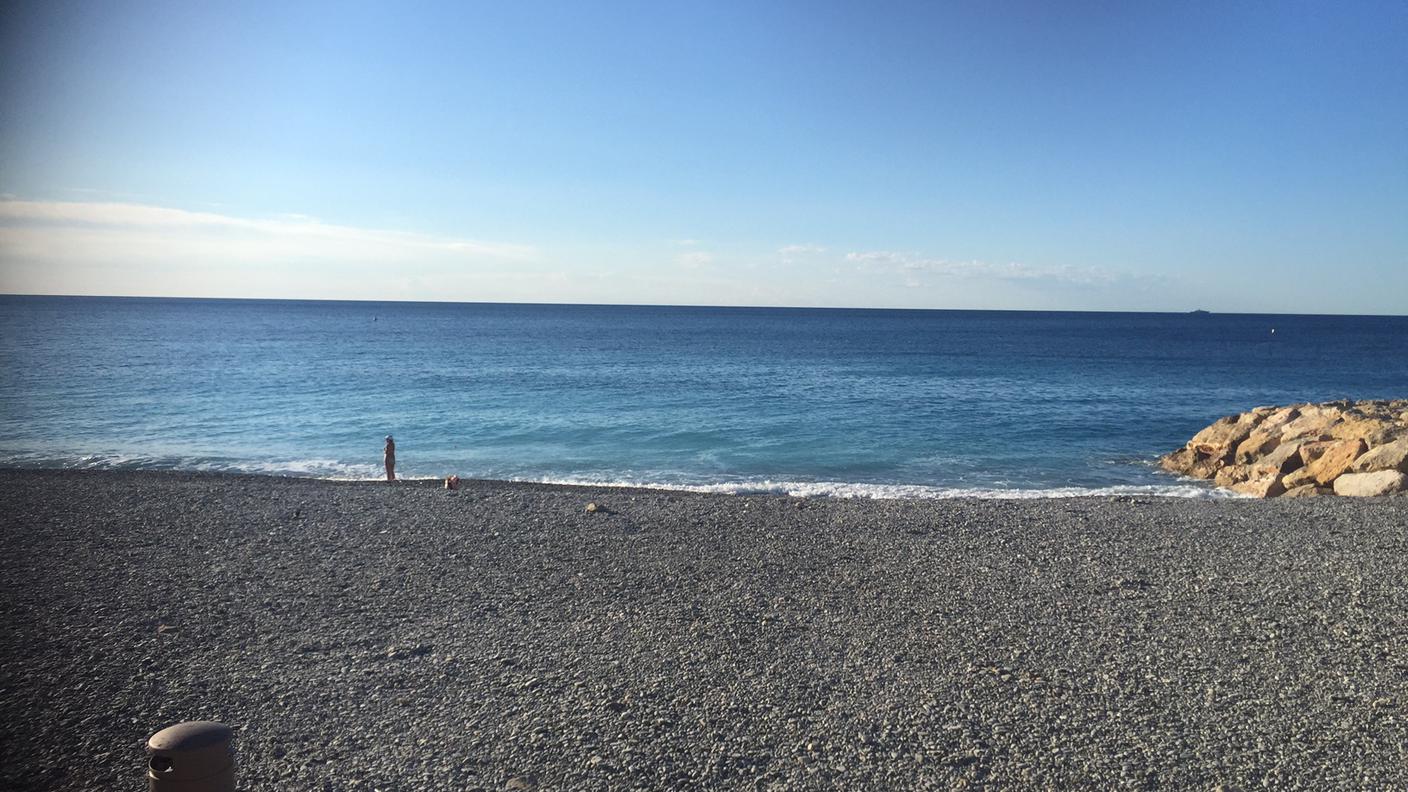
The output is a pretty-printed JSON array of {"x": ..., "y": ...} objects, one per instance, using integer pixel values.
[
  {"x": 92, "y": 247},
  {"x": 791, "y": 254},
  {"x": 132, "y": 249},
  {"x": 697, "y": 259},
  {"x": 912, "y": 264}
]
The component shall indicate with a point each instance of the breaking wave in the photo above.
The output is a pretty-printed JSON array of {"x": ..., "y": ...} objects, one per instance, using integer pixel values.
[
  {"x": 343, "y": 471},
  {"x": 307, "y": 468},
  {"x": 837, "y": 489}
]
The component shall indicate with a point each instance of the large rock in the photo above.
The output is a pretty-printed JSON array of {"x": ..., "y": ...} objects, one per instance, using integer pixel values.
[
  {"x": 1307, "y": 491},
  {"x": 1372, "y": 431},
  {"x": 1206, "y": 468},
  {"x": 1279, "y": 462},
  {"x": 1314, "y": 449},
  {"x": 1298, "y": 478},
  {"x": 1389, "y": 456},
  {"x": 1337, "y": 459},
  {"x": 1257, "y": 443},
  {"x": 1313, "y": 420},
  {"x": 1232, "y": 475},
  {"x": 1180, "y": 461},
  {"x": 1369, "y": 485},
  {"x": 1264, "y": 487},
  {"x": 1187, "y": 462},
  {"x": 1378, "y": 411},
  {"x": 1298, "y": 450},
  {"x": 1220, "y": 440},
  {"x": 1280, "y": 417}
]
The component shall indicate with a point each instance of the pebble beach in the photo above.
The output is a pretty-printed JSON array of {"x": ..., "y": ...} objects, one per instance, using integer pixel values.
[{"x": 374, "y": 636}]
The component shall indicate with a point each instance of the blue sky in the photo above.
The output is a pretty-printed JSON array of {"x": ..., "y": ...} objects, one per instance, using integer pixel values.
[{"x": 1108, "y": 156}]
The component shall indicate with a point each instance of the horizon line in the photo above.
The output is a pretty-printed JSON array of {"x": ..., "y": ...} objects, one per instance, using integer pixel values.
[{"x": 1195, "y": 311}]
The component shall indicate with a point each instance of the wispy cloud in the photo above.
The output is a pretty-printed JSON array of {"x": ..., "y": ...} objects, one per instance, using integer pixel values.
[
  {"x": 695, "y": 259},
  {"x": 790, "y": 254},
  {"x": 914, "y": 265},
  {"x": 128, "y": 248},
  {"x": 70, "y": 225},
  {"x": 97, "y": 193}
]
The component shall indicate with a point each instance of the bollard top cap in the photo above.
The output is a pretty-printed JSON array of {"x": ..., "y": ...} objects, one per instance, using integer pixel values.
[{"x": 190, "y": 736}]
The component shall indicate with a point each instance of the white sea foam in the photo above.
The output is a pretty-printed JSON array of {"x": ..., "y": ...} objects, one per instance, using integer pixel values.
[
  {"x": 837, "y": 489},
  {"x": 335, "y": 470},
  {"x": 315, "y": 468},
  {"x": 310, "y": 468}
]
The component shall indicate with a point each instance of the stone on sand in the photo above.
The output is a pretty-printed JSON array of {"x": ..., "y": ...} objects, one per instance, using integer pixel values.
[
  {"x": 1369, "y": 485},
  {"x": 1389, "y": 456},
  {"x": 1221, "y": 439},
  {"x": 1264, "y": 487},
  {"x": 1336, "y": 460}
]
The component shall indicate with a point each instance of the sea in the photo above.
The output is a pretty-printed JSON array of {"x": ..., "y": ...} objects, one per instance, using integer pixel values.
[{"x": 809, "y": 402}]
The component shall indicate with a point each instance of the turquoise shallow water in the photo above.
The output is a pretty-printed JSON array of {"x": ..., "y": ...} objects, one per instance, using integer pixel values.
[{"x": 841, "y": 402}]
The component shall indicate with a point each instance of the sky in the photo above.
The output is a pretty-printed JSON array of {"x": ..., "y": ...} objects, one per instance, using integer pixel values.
[{"x": 1067, "y": 156}]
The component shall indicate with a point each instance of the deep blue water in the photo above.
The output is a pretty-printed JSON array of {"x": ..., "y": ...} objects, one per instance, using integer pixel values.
[{"x": 803, "y": 400}]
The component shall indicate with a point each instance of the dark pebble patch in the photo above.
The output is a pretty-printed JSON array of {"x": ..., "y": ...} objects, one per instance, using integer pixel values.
[{"x": 401, "y": 637}]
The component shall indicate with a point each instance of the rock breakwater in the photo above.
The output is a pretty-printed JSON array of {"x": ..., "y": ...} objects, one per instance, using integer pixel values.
[{"x": 1349, "y": 448}]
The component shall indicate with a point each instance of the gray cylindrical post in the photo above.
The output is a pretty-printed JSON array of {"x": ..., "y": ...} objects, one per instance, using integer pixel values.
[{"x": 198, "y": 756}]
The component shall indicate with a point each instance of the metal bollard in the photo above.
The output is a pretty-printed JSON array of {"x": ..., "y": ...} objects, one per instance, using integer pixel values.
[{"x": 197, "y": 756}]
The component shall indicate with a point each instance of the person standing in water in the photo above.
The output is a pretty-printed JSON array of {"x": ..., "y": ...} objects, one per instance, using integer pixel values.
[{"x": 390, "y": 453}]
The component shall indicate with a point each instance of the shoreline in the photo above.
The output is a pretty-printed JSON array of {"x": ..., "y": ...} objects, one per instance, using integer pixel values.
[
  {"x": 1180, "y": 487},
  {"x": 466, "y": 484},
  {"x": 358, "y": 634}
]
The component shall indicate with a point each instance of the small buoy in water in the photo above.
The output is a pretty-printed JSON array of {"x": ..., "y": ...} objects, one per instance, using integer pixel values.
[{"x": 1273, "y": 331}]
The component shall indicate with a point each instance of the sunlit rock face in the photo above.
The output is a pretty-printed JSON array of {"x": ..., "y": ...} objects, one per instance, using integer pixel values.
[{"x": 1346, "y": 448}]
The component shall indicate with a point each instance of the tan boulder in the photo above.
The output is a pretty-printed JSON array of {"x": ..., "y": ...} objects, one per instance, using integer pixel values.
[
  {"x": 1307, "y": 491},
  {"x": 1312, "y": 450},
  {"x": 1257, "y": 443},
  {"x": 1279, "y": 418},
  {"x": 1187, "y": 462},
  {"x": 1371, "y": 431},
  {"x": 1313, "y": 420},
  {"x": 1179, "y": 461},
  {"x": 1336, "y": 459},
  {"x": 1369, "y": 485},
  {"x": 1298, "y": 478},
  {"x": 1267, "y": 448},
  {"x": 1264, "y": 487},
  {"x": 1284, "y": 459},
  {"x": 1206, "y": 468},
  {"x": 1220, "y": 440},
  {"x": 1370, "y": 411},
  {"x": 1232, "y": 474},
  {"x": 1389, "y": 456}
]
